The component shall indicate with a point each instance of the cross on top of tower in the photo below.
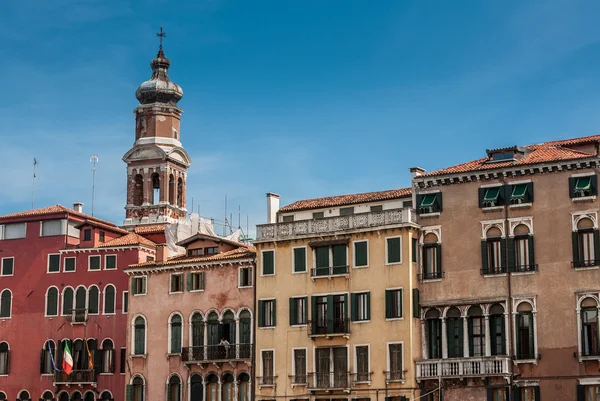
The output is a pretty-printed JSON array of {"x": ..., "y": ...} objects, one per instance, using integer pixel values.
[{"x": 161, "y": 35}]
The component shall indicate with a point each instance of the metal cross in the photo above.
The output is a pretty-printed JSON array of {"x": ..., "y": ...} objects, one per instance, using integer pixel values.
[{"x": 161, "y": 35}]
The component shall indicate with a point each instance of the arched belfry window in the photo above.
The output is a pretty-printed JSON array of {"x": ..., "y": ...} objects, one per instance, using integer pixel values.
[
  {"x": 179, "y": 192},
  {"x": 138, "y": 190},
  {"x": 171, "y": 189},
  {"x": 155, "y": 189}
]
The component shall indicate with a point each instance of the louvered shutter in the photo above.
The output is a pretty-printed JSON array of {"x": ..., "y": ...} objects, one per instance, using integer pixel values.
[
  {"x": 42, "y": 360},
  {"x": 438, "y": 258},
  {"x": 261, "y": 314},
  {"x": 531, "y": 252},
  {"x": 354, "y": 308},
  {"x": 594, "y": 185},
  {"x": 575, "y": 242},
  {"x": 190, "y": 281},
  {"x": 369, "y": 305},
  {"x": 480, "y": 195},
  {"x": 484, "y": 257},
  {"x": 512, "y": 259},
  {"x": 112, "y": 358},
  {"x": 129, "y": 392},
  {"x": 572, "y": 181},
  {"x": 503, "y": 256},
  {"x": 330, "y": 313},
  {"x": 596, "y": 246},
  {"x": 580, "y": 393},
  {"x": 274, "y": 312},
  {"x": 536, "y": 391},
  {"x": 516, "y": 393},
  {"x": 387, "y": 304},
  {"x": 416, "y": 307},
  {"x": 293, "y": 319}
]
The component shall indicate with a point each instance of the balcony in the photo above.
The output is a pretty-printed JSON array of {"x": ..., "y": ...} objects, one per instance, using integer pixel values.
[
  {"x": 333, "y": 225},
  {"x": 463, "y": 367},
  {"x": 298, "y": 380},
  {"x": 78, "y": 316},
  {"x": 329, "y": 327},
  {"x": 394, "y": 376},
  {"x": 216, "y": 353},
  {"x": 77, "y": 377},
  {"x": 329, "y": 381},
  {"x": 430, "y": 276},
  {"x": 328, "y": 271},
  {"x": 583, "y": 264},
  {"x": 266, "y": 381},
  {"x": 361, "y": 378}
]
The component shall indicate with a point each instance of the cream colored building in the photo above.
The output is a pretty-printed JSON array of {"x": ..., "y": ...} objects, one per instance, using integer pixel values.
[{"x": 336, "y": 287}]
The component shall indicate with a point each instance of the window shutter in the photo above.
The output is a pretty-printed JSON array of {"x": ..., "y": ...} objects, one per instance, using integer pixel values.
[
  {"x": 292, "y": 311},
  {"x": 580, "y": 391},
  {"x": 274, "y": 312},
  {"x": 393, "y": 250},
  {"x": 596, "y": 246},
  {"x": 313, "y": 311},
  {"x": 299, "y": 259},
  {"x": 512, "y": 259},
  {"x": 415, "y": 247},
  {"x": 261, "y": 314},
  {"x": 354, "y": 313},
  {"x": 536, "y": 391},
  {"x": 305, "y": 309},
  {"x": 369, "y": 305},
  {"x": 169, "y": 392},
  {"x": 594, "y": 185},
  {"x": 572, "y": 181},
  {"x": 268, "y": 262},
  {"x": 484, "y": 257},
  {"x": 8, "y": 362},
  {"x": 517, "y": 393},
  {"x": 531, "y": 252},
  {"x": 112, "y": 357},
  {"x": 387, "y": 304},
  {"x": 339, "y": 258},
  {"x": 129, "y": 392},
  {"x": 438, "y": 257},
  {"x": 42, "y": 360},
  {"x": 575, "y": 241},
  {"x": 133, "y": 286},
  {"x": 503, "y": 256},
  {"x": 330, "y": 313},
  {"x": 97, "y": 361},
  {"x": 490, "y": 394},
  {"x": 529, "y": 192},
  {"x": 190, "y": 281},
  {"x": 401, "y": 311},
  {"x": 506, "y": 391},
  {"x": 416, "y": 307},
  {"x": 438, "y": 202},
  {"x": 480, "y": 195},
  {"x": 419, "y": 200},
  {"x": 346, "y": 307},
  {"x": 470, "y": 328},
  {"x": 461, "y": 336}
]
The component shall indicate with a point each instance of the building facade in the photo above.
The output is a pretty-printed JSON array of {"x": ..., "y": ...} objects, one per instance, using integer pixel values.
[
  {"x": 62, "y": 283},
  {"x": 509, "y": 303},
  {"x": 190, "y": 329},
  {"x": 335, "y": 290}
]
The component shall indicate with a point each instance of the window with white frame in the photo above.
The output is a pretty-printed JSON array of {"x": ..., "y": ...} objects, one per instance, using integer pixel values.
[
  {"x": 69, "y": 264},
  {"x": 52, "y": 227},
  {"x": 299, "y": 260},
  {"x": 586, "y": 244},
  {"x": 476, "y": 328},
  {"x": 396, "y": 370},
  {"x": 525, "y": 328},
  {"x": 138, "y": 285},
  {"x": 588, "y": 321},
  {"x": 8, "y": 266},
  {"x": 195, "y": 281},
  {"x": 125, "y": 301},
  {"x": 363, "y": 373},
  {"x": 268, "y": 263},
  {"x": 431, "y": 257},
  {"x": 94, "y": 262},
  {"x": 110, "y": 262},
  {"x": 5, "y": 304},
  {"x": 492, "y": 252},
  {"x": 393, "y": 303},
  {"x": 299, "y": 376},
  {"x": 393, "y": 252},
  {"x": 245, "y": 276},
  {"x": 176, "y": 283},
  {"x": 109, "y": 299},
  {"x": 268, "y": 367},
  {"x": 360, "y": 304},
  {"x": 53, "y": 263},
  {"x": 361, "y": 253},
  {"x": 266, "y": 313}
]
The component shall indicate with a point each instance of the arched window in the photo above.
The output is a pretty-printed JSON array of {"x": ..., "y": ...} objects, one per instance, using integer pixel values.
[
  {"x": 2, "y": 396},
  {"x": 497, "y": 330},
  {"x": 525, "y": 331},
  {"x": 589, "y": 327},
  {"x": 476, "y": 331},
  {"x": 174, "y": 388},
  {"x": 92, "y": 345},
  {"x": 24, "y": 396},
  {"x": 245, "y": 333},
  {"x": 493, "y": 255},
  {"x": 520, "y": 248},
  {"x": 64, "y": 396},
  {"x": 76, "y": 396},
  {"x": 47, "y": 357},
  {"x": 175, "y": 334},
  {"x": 139, "y": 338},
  {"x": 431, "y": 257},
  {"x": 80, "y": 360},
  {"x": 137, "y": 386},
  {"x": 243, "y": 387},
  {"x": 155, "y": 188},
  {"x": 586, "y": 244},
  {"x": 106, "y": 396},
  {"x": 196, "y": 388},
  {"x": 5, "y": 303},
  {"x": 80, "y": 297},
  {"x": 228, "y": 324},
  {"x": 227, "y": 387},
  {"x": 93, "y": 298},
  {"x": 138, "y": 190},
  {"x": 109, "y": 300},
  {"x": 67, "y": 301},
  {"x": 172, "y": 189},
  {"x": 212, "y": 387},
  {"x": 89, "y": 396},
  {"x": 47, "y": 395},
  {"x": 52, "y": 301},
  {"x": 197, "y": 330},
  {"x": 108, "y": 356},
  {"x": 433, "y": 327},
  {"x": 4, "y": 358},
  {"x": 212, "y": 326},
  {"x": 454, "y": 327},
  {"x": 180, "y": 192}
]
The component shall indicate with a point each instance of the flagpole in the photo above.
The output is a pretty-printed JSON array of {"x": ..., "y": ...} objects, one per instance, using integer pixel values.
[{"x": 33, "y": 187}]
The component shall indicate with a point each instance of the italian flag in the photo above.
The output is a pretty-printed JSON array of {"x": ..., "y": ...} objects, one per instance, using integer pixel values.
[{"x": 67, "y": 364}]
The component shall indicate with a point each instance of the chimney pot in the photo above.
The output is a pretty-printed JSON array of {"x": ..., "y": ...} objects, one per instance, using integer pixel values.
[
  {"x": 272, "y": 207},
  {"x": 416, "y": 171},
  {"x": 78, "y": 207}
]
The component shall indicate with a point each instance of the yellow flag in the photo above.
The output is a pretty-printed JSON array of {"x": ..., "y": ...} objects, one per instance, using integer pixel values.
[{"x": 90, "y": 358}]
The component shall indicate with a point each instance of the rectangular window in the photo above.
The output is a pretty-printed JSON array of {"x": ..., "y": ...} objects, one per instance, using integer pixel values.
[
  {"x": 14, "y": 231},
  {"x": 69, "y": 264},
  {"x": 266, "y": 311},
  {"x": 393, "y": 253},
  {"x": 267, "y": 367},
  {"x": 498, "y": 394},
  {"x": 87, "y": 234},
  {"x": 522, "y": 253},
  {"x": 361, "y": 253},
  {"x": 361, "y": 306},
  {"x": 434, "y": 338},
  {"x": 589, "y": 332},
  {"x": 497, "y": 334},
  {"x": 102, "y": 236},
  {"x": 580, "y": 187},
  {"x": 455, "y": 337},
  {"x": 195, "y": 281},
  {"x": 94, "y": 263},
  {"x": 491, "y": 197},
  {"x": 592, "y": 393},
  {"x": 395, "y": 362},
  {"x": 298, "y": 311},
  {"x": 318, "y": 215},
  {"x": 362, "y": 364},
  {"x": 52, "y": 227},
  {"x": 176, "y": 282},
  {"x": 195, "y": 252},
  {"x": 299, "y": 366},
  {"x": 429, "y": 203},
  {"x": 346, "y": 211},
  {"x": 340, "y": 259},
  {"x": 138, "y": 285},
  {"x": 431, "y": 269},
  {"x": 268, "y": 263},
  {"x": 245, "y": 277},
  {"x": 123, "y": 361},
  {"x": 110, "y": 262},
  {"x": 53, "y": 263},
  {"x": 414, "y": 248},
  {"x": 519, "y": 194},
  {"x": 8, "y": 266},
  {"x": 377, "y": 208},
  {"x": 587, "y": 254},
  {"x": 125, "y": 301},
  {"x": 321, "y": 261},
  {"x": 149, "y": 258},
  {"x": 477, "y": 334},
  {"x": 494, "y": 252},
  {"x": 393, "y": 304},
  {"x": 213, "y": 250},
  {"x": 299, "y": 260},
  {"x": 288, "y": 218},
  {"x": 525, "y": 345}
]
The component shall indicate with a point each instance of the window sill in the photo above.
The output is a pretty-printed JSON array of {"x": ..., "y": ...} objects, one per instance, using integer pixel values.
[
  {"x": 584, "y": 199},
  {"x": 299, "y": 272},
  {"x": 427, "y": 215},
  {"x": 298, "y": 326},
  {"x": 175, "y": 292},
  {"x": 525, "y": 361},
  {"x": 138, "y": 295},
  {"x": 267, "y": 275},
  {"x": 589, "y": 358},
  {"x": 296, "y": 385},
  {"x": 5, "y": 318},
  {"x": 105, "y": 374},
  {"x": 173, "y": 354},
  {"x": 523, "y": 273},
  {"x": 494, "y": 275},
  {"x": 431, "y": 280},
  {"x": 521, "y": 205},
  {"x": 492, "y": 208},
  {"x": 368, "y": 383},
  {"x": 360, "y": 267},
  {"x": 197, "y": 290},
  {"x": 48, "y": 272},
  {"x": 45, "y": 374},
  {"x": 69, "y": 271},
  {"x": 393, "y": 319},
  {"x": 267, "y": 328},
  {"x": 143, "y": 356},
  {"x": 583, "y": 268},
  {"x": 361, "y": 321},
  {"x": 243, "y": 286},
  {"x": 393, "y": 263}
]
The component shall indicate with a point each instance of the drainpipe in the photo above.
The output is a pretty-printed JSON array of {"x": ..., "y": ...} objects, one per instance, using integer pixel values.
[
  {"x": 255, "y": 327},
  {"x": 509, "y": 302}
]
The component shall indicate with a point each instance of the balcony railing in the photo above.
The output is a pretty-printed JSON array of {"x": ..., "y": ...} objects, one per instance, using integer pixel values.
[
  {"x": 585, "y": 263},
  {"x": 524, "y": 268},
  {"x": 392, "y": 376},
  {"x": 362, "y": 377},
  {"x": 493, "y": 270},
  {"x": 329, "y": 381},
  {"x": 213, "y": 353},
  {"x": 430, "y": 276},
  {"x": 78, "y": 316},
  {"x": 80, "y": 376},
  {"x": 330, "y": 225},
  {"x": 463, "y": 367},
  {"x": 298, "y": 380},
  {"x": 266, "y": 381},
  {"x": 328, "y": 327},
  {"x": 328, "y": 271}
]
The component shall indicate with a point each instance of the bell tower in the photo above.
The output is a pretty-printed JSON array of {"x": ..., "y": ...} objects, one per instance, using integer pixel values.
[{"x": 157, "y": 163}]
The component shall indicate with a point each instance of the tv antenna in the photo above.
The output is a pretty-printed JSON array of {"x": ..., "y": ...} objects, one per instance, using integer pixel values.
[
  {"x": 93, "y": 160},
  {"x": 33, "y": 186}
]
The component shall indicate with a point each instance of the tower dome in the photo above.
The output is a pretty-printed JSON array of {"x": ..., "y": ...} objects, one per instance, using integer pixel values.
[{"x": 159, "y": 88}]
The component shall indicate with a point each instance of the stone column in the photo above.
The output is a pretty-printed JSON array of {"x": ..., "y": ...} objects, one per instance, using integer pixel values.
[
  {"x": 147, "y": 187},
  {"x": 486, "y": 328},
  {"x": 424, "y": 348},
  {"x": 205, "y": 340},
  {"x": 507, "y": 343},
  {"x": 235, "y": 390},
  {"x": 237, "y": 338},
  {"x": 444, "y": 339},
  {"x": 535, "y": 335},
  {"x": 220, "y": 397},
  {"x": 164, "y": 184},
  {"x": 465, "y": 336}
]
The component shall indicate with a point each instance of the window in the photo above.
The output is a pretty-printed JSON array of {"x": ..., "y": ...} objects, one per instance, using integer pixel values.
[
  {"x": 361, "y": 306},
  {"x": 362, "y": 364},
  {"x": 245, "y": 277},
  {"x": 497, "y": 394},
  {"x": 138, "y": 285},
  {"x": 525, "y": 334},
  {"x": 329, "y": 314},
  {"x": 176, "y": 283},
  {"x": 532, "y": 393},
  {"x": 393, "y": 250},
  {"x": 298, "y": 311},
  {"x": 195, "y": 281},
  {"x": 330, "y": 260},
  {"x": 110, "y": 262},
  {"x": 197, "y": 330},
  {"x": 94, "y": 263},
  {"x": 47, "y": 396},
  {"x": 492, "y": 196},
  {"x": 431, "y": 257},
  {"x": 93, "y": 300},
  {"x": 476, "y": 331},
  {"x": 346, "y": 211},
  {"x": 52, "y": 301},
  {"x": 377, "y": 208},
  {"x": 268, "y": 263},
  {"x": 393, "y": 304},
  {"x": 149, "y": 258},
  {"x": 175, "y": 334},
  {"x": 195, "y": 252},
  {"x": 266, "y": 313},
  {"x": 522, "y": 253},
  {"x": 395, "y": 364},
  {"x": 109, "y": 299},
  {"x": 520, "y": 193},
  {"x": 101, "y": 236},
  {"x": 299, "y": 260},
  {"x": 69, "y": 264},
  {"x": 211, "y": 250},
  {"x": 588, "y": 393},
  {"x": 580, "y": 187},
  {"x": 497, "y": 330},
  {"x": 174, "y": 389},
  {"x": 429, "y": 203},
  {"x": 4, "y": 360},
  {"x": 87, "y": 234},
  {"x": 318, "y": 215},
  {"x": 589, "y": 331},
  {"x": 125, "y": 301},
  {"x": 493, "y": 256},
  {"x": 8, "y": 265},
  {"x": 299, "y": 376},
  {"x": 267, "y": 367},
  {"x": 47, "y": 357},
  {"x": 454, "y": 328},
  {"x": 139, "y": 336},
  {"x": 414, "y": 242},
  {"x": 137, "y": 389},
  {"x": 586, "y": 252},
  {"x": 331, "y": 367},
  {"x": 108, "y": 357},
  {"x": 5, "y": 304},
  {"x": 67, "y": 301},
  {"x": 361, "y": 253},
  {"x": 14, "y": 231},
  {"x": 227, "y": 387},
  {"x": 24, "y": 396},
  {"x": 122, "y": 360},
  {"x": 287, "y": 219},
  {"x": 53, "y": 263}
]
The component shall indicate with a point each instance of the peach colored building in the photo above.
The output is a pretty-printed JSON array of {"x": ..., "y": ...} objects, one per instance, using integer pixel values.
[
  {"x": 190, "y": 330},
  {"x": 510, "y": 255}
]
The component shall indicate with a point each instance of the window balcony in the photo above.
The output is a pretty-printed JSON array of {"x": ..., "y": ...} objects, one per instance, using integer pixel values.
[
  {"x": 430, "y": 276},
  {"x": 463, "y": 367},
  {"x": 329, "y": 381},
  {"x": 493, "y": 271},
  {"x": 78, "y": 377},
  {"x": 298, "y": 380},
  {"x": 583, "y": 264},
  {"x": 329, "y": 327},
  {"x": 78, "y": 316},
  {"x": 361, "y": 378},
  {"x": 394, "y": 376},
  {"x": 328, "y": 271},
  {"x": 216, "y": 353},
  {"x": 266, "y": 381},
  {"x": 524, "y": 268}
]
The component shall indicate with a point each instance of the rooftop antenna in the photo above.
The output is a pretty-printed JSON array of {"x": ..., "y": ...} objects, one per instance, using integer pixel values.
[
  {"x": 225, "y": 225},
  {"x": 94, "y": 160},
  {"x": 33, "y": 187}
]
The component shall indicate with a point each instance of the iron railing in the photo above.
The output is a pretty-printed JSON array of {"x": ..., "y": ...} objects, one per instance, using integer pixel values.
[
  {"x": 328, "y": 327},
  {"x": 362, "y": 377},
  {"x": 266, "y": 380},
  {"x": 394, "y": 376},
  {"x": 298, "y": 380},
  {"x": 78, "y": 316},
  {"x": 329, "y": 380},
  {"x": 328, "y": 271},
  {"x": 79, "y": 376},
  {"x": 430, "y": 275},
  {"x": 585, "y": 263},
  {"x": 210, "y": 353}
]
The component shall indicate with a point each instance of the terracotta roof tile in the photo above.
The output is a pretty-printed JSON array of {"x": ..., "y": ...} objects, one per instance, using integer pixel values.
[
  {"x": 53, "y": 210},
  {"x": 127, "y": 240},
  {"x": 246, "y": 251},
  {"x": 350, "y": 199},
  {"x": 151, "y": 229}
]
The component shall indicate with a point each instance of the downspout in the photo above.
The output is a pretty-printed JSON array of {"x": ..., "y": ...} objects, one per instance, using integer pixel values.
[
  {"x": 255, "y": 327},
  {"x": 509, "y": 350}
]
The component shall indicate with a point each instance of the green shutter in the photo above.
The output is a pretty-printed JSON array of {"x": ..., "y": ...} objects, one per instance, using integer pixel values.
[
  {"x": 572, "y": 181},
  {"x": 596, "y": 246},
  {"x": 529, "y": 193},
  {"x": 416, "y": 307},
  {"x": 268, "y": 262},
  {"x": 369, "y": 305},
  {"x": 531, "y": 253},
  {"x": 322, "y": 261},
  {"x": 169, "y": 393},
  {"x": 387, "y": 304},
  {"x": 575, "y": 242},
  {"x": 580, "y": 391},
  {"x": 293, "y": 319},
  {"x": 190, "y": 281},
  {"x": 330, "y": 313},
  {"x": 438, "y": 258},
  {"x": 305, "y": 309},
  {"x": 42, "y": 359},
  {"x": 313, "y": 310},
  {"x": 340, "y": 259},
  {"x": 536, "y": 391},
  {"x": 261, "y": 313},
  {"x": 594, "y": 185},
  {"x": 484, "y": 257},
  {"x": 346, "y": 307},
  {"x": 512, "y": 258},
  {"x": 299, "y": 259},
  {"x": 354, "y": 305},
  {"x": 393, "y": 250},
  {"x": 274, "y": 312},
  {"x": 400, "y": 296},
  {"x": 129, "y": 392},
  {"x": 470, "y": 328},
  {"x": 414, "y": 249},
  {"x": 360, "y": 253},
  {"x": 480, "y": 195},
  {"x": 490, "y": 394},
  {"x": 438, "y": 202},
  {"x": 503, "y": 256},
  {"x": 517, "y": 393}
]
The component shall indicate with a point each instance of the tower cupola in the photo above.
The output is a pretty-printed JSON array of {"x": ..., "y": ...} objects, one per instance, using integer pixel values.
[{"x": 159, "y": 88}]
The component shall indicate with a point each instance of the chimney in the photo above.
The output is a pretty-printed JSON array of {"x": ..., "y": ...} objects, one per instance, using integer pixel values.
[
  {"x": 416, "y": 171},
  {"x": 272, "y": 207},
  {"x": 161, "y": 253},
  {"x": 78, "y": 207}
]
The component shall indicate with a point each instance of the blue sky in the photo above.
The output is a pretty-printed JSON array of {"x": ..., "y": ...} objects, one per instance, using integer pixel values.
[{"x": 305, "y": 99}]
